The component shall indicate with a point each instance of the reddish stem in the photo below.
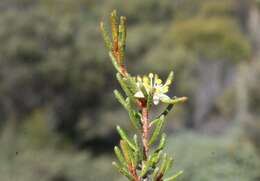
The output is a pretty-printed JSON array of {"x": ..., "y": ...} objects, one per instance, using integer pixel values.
[
  {"x": 159, "y": 178},
  {"x": 133, "y": 172},
  {"x": 117, "y": 55},
  {"x": 145, "y": 122}
]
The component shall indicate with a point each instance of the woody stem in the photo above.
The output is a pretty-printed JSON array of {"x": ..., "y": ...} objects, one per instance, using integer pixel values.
[{"x": 145, "y": 137}]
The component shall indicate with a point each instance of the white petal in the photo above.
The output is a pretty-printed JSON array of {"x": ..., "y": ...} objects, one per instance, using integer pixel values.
[
  {"x": 164, "y": 97},
  {"x": 139, "y": 94},
  {"x": 156, "y": 99},
  {"x": 138, "y": 84}
]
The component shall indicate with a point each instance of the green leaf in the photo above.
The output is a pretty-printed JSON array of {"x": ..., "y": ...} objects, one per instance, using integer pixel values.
[
  {"x": 131, "y": 155},
  {"x": 168, "y": 164},
  {"x": 125, "y": 149},
  {"x": 174, "y": 176},
  {"x": 171, "y": 103},
  {"x": 156, "y": 132},
  {"x": 174, "y": 100},
  {"x": 135, "y": 118},
  {"x": 106, "y": 37},
  {"x": 120, "y": 156},
  {"x": 141, "y": 153},
  {"x": 123, "y": 171},
  {"x": 131, "y": 83},
  {"x": 124, "y": 136},
  {"x": 135, "y": 140},
  {"x": 163, "y": 164},
  {"x": 114, "y": 25},
  {"x": 156, "y": 157},
  {"x": 120, "y": 99},
  {"x": 147, "y": 166},
  {"x": 114, "y": 62},
  {"x": 136, "y": 153},
  {"x": 155, "y": 173},
  {"x": 128, "y": 153},
  {"x": 125, "y": 87},
  {"x": 161, "y": 143},
  {"x": 122, "y": 32},
  {"x": 155, "y": 121},
  {"x": 122, "y": 37}
]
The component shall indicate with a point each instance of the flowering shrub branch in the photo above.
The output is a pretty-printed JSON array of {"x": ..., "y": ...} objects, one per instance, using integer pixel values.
[{"x": 140, "y": 158}]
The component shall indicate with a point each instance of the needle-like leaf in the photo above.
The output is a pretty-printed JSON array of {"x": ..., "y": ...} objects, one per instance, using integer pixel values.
[
  {"x": 161, "y": 143},
  {"x": 120, "y": 99},
  {"x": 106, "y": 37},
  {"x": 120, "y": 156},
  {"x": 123, "y": 171},
  {"x": 124, "y": 136},
  {"x": 156, "y": 132},
  {"x": 172, "y": 178}
]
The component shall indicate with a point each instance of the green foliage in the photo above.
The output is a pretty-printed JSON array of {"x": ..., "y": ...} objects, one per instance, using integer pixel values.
[
  {"x": 40, "y": 65},
  {"x": 146, "y": 10},
  {"x": 48, "y": 164},
  {"x": 65, "y": 68},
  {"x": 212, "y": 38},
  {"x": 251, "y": 121},
  {"x": 36, "y": 130},
  {"x": 209, "y": 158},
  {"x": 218, "y": 8}
]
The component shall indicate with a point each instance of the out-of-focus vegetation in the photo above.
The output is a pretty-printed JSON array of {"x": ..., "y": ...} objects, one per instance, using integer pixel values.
[
  {"x": 206, "y": 158},
  {"x": 57, "y": 111}
]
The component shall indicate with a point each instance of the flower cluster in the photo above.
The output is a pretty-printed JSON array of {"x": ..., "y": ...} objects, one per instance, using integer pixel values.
[{"x": 154, "y": 87}]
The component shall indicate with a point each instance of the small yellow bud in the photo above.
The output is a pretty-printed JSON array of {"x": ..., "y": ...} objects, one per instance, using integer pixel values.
[
  {"x": 165, "y": 89},
  {"x": 146, "y": 79},
  {"x": 158, "y": 81}
]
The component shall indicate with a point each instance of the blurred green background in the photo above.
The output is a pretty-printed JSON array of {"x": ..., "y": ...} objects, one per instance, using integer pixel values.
[{"x": 57, "y": 111}]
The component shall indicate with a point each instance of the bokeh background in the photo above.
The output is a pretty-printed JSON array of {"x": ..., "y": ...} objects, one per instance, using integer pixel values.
[{"x": 57, "y": 111}]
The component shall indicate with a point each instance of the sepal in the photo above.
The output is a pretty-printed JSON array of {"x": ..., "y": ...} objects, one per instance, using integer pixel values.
[{"x": 170, "y": 79}]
